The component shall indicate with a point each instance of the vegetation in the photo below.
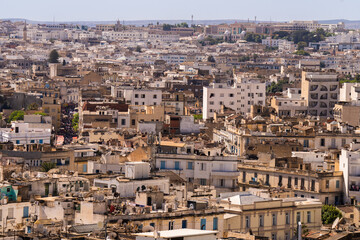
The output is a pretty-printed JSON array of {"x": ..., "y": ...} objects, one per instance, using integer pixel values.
[
  {"x": 41, "y": 113},
  {"x": 75, "y": 122},
  {"x": 16, "y": 115},
  {"x": 197, "y": 116},
  {"x": 277, "y": 87},
  {"x": 270, "y": 49},
  {"x": 244, "y": 58},
  {"x": 33, "y": 106},
  {"x": 302, "y": 53},
  {"x": 211, "y": 59},
  {"x": 138, "y": 48},
  {"x": 302, "y": 36},
  {"x": 254, "y": 37},
  {"x": 47, "y": 166},
  {"x": 167, "y": 27},
  {"x": 329, "y": 214},
  {"x": 211, "y": 41},
  {"x": 54, "y": 57},
  {"x": 301, "y": 45},
  {"x": 350, "y": 79}
]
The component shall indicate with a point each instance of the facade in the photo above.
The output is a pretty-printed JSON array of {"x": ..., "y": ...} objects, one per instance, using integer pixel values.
[
  {"x": 321, "y": 92},
  {"x": 271, "y": 218},
  {"x": 239, "y": 97}
]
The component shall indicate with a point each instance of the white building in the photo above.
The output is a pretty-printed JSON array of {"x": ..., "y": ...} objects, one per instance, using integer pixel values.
[
  {"x": 184, "y": 234},
  {"x": 350, "y": 92},
  {"x": 239, "y": 97},
  {"x": 218, "y": 171},
  {"x": 35, "y": 129},
  {"x": 349, "y": 164}
]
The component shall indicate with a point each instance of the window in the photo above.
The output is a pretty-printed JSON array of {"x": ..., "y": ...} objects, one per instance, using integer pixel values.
[
  {"x": 123, "y": 122},
  {"x": 280, "y": 181},
  {"x": 184, "y": 224},
  {"x": 327, "y": 184},
  {"x": 162, "y": 165},
  {"x": 136, "y": 95},
  {"x": 309, "y": 217},
  {"x": 203, "y": 166},
  {"x": 222, "y": 182},
  {"x": 296, "y": 181},
  {"x": 133, "y": 122},
  {"x": 312, "y": 185},
  {"x": 326, "y": 200},
  {"x": 142, "y": 95},
  {"x": 41, "y": 141},
  {"x": 171, "y": 225},
  {"x": 274, "y": 221},
  {"x": 289, "y": 182},
  {"x": 84, "y": 168},
  {"x": 26, "y": 212},
  {"x": 211, "y": 102},
  {"x": 247, "y": 222},
  {"x": 153, "y": 225},
  {"x": 322, "y": 142},
  {"x": 261, "y": 220},
  {"x": 190, "y": 165},
  {"x": 287, "y": 236},
  {"x": 231, "y": 95},
  {"x": 202, "y": 181},
  {"x": 215, "y": 223},
  {"x": 306, "y": 143},
  {"x": 298, "y": 217},
  {"x": 337, "y": 184},
  {"x": 17, "y": 141},
  {"x": 155, "y": 96},
  {"x": 244, "y": 176},
  {"x": 287, "y": 218},
  {"x": 32, "y": 141},
  {"x": 177, "y": 165},
  {"x": 203, "y": 224},
  {"x": 273, "y": 236}
]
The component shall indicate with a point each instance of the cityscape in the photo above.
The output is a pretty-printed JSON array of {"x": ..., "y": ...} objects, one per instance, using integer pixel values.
[{"x": 172, "y": 129}]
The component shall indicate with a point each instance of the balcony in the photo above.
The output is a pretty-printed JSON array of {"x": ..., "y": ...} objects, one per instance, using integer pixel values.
[{"x": 355, "y": 188}]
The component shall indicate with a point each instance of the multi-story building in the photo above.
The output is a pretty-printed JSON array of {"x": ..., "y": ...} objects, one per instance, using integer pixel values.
[
  {"x": 239, "y": 97},
  {"x": 349, "y": 164},
  {"x": 271, "y": 218},
  {"x": 320, "y": 91},
  {"x": 35, "y": 129}
]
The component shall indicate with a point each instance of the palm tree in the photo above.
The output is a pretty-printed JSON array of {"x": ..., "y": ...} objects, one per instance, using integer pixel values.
[{"x": 47, "y": 166}]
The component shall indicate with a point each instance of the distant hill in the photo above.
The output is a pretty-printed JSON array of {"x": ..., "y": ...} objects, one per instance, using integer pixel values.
[{"x": 350, "y": 24}]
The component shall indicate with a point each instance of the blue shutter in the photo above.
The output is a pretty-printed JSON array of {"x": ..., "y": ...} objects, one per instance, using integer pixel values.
[
  {"x": 26, "y": 212},
  {"x": 177, "y": 165},
  {"x": 184, "y": 224},
  {"x": 203, "y": 224},
  {"x": 84, "y": 168},
  {"x": 162, "y": 165},
  {"x": 215, "y": 223}
]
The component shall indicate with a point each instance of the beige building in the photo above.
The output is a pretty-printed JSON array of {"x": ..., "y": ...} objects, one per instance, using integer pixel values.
[
  {"x": 320, "y": 91},
  {"x": 145, "y": 114},
  {"x": 347, "y": 113},
  {"x": 327, "y": 186},
  {"x": 272, "y": 218}
]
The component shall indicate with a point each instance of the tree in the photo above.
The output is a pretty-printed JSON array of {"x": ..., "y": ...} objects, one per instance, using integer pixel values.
[
  {"x": 138, "y": 48},
  {"x": 75, "y": 122},
  {"x": 41, "y": 113},
  {"x": 33, "y": 106},
  {"x": 302, "y": 53},
  {"x": 54, "y": 56},
  {"x": 301, "y": 45},
  {"x": 329, "y": 214},
  {"x": 47, "y": 166},
  {"x": 16, "y": 115},
  {"x": 211, "y": 59},
  {"x": 166, "y": 27}
]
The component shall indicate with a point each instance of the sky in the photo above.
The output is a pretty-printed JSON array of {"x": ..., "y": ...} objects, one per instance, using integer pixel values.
[{"x": 110, "y": 10}]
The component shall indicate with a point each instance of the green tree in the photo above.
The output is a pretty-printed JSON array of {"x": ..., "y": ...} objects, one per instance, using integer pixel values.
[
  {"x": 301, "y": 45},
  {"x": 329, "y": 214},
  {"x": 211, "y": 59},
  {"x": 47, "y": 166},
  {"x": 166, "y": 27},
  {"x": 41, "y": 113},
  {"x": 75, "y": 122},
  {"x": 138, "y": 48},
  {"x": 33, "y": 106},
  {"x": 16, "y": 115},
  {"x": 54, "y": 57},
  {"x": 302, "y": 53}
]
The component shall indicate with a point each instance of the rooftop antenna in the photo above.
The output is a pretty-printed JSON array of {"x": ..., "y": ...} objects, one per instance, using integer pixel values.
[
  {"x": 255, "y": 19},
  {"x": 192, "y": 20}
]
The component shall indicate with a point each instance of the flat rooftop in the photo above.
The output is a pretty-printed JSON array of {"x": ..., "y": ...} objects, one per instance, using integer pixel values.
[{"x": 178, "y": 233}]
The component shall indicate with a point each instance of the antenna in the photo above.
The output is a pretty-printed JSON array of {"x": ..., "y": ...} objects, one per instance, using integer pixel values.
[
  {"x": 255, "y": 19},
  {"x": 192, "y": 20}
]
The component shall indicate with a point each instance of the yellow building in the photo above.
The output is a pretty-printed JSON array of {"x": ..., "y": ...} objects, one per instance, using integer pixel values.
[{"x": 273, "y": 218}]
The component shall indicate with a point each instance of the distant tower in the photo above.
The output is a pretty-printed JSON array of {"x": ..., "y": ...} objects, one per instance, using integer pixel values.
[
  {"x": 117, "y": 26},
  {"x": 192, "y": 20},
  {"x": 25, "y": 32}
]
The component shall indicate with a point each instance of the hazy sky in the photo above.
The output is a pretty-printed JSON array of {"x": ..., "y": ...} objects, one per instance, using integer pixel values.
[{"x": 71, "y": 10}]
